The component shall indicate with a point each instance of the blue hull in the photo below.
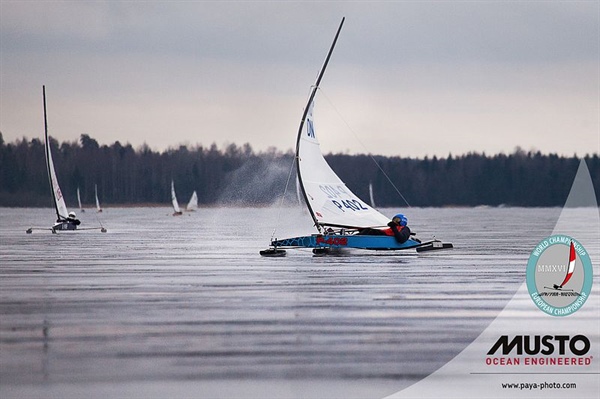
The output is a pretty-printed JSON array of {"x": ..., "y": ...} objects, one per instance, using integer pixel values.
[{"x": 345, "y": 241}]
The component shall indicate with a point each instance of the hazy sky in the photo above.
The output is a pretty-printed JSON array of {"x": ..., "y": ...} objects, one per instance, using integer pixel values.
[{"x": 406, "y": 78}]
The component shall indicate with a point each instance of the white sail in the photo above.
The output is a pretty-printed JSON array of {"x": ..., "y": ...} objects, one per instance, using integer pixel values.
[
  {"x": 59, "y": 202},
  {"x": 193, "y": 204},
  {"x": 98, "y": 208},
  {"x": 79, "y": 200},
  {"x": 371, "y": 195},
  {"x": 174, "y": 199},
  {"x": 330, "y": 201}
]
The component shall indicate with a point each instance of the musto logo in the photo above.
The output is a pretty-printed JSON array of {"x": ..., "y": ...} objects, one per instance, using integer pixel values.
[
  {"x": 546, "y": 350},
  {"x": 559, "y": 275}
]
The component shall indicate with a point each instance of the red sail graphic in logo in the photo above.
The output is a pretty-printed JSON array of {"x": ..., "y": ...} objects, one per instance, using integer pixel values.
[{"x": 572, "y": 258}]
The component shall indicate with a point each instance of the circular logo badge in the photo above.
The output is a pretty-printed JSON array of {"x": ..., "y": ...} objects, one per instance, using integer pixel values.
[{"x": 559, "y": 275}]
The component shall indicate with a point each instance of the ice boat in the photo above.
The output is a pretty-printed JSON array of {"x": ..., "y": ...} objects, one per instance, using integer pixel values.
[
  {"x": 193, "y": 204},
  {"x": 98, "y": 207},
  {"x": 65, "y": 220},
  {"x": 339, "y": 216},
  {"x": 79, "y": 201},
  {"x": 176, "y": 209}
]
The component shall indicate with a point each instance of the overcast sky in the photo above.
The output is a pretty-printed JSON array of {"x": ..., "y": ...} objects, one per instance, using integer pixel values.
[{"x": 406, "y": 78}]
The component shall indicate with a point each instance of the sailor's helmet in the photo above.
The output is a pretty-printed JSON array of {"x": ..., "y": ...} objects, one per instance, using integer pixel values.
[{"x": 400, "y": 219}]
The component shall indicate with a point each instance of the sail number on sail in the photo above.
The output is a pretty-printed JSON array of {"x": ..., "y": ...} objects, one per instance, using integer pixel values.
[
  {"x": 339, "y": 197},
  {"x": 58, "y": 192}
]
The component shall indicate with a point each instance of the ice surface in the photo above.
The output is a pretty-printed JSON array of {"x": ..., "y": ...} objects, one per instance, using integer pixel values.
[{"x": 185, "y": 306}]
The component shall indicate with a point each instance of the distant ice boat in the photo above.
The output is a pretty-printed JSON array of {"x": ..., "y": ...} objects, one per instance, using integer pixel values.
[
  {"x": 79, "y": 201},
  {"x": 98, "y": 208},
  {"x": 176, "y": 209},
  {"x": 371, "y": 195},
  {"x": 193, "y": 204}
]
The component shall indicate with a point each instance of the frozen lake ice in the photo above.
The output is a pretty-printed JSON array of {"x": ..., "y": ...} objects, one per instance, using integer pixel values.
[{"x": 184, "y": 306}]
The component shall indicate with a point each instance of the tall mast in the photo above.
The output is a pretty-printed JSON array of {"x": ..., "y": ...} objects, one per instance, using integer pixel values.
[{"x": 304, "y": 115}]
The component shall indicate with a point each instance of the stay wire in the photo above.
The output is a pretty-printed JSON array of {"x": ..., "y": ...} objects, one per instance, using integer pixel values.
[{"x": 365, "y": 148}]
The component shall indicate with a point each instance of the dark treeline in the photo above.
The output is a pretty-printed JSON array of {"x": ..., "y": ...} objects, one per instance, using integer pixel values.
[
  {"x": 238, "y": 175},
  {"x": 518, "y": 179}
]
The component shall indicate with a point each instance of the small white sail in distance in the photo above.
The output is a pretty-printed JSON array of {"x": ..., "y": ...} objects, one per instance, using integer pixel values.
[
  {"x": 329, "y": 200},
  {"x": 176, "y": 208},
  {"x": 193, "y": 204},
  {"x": 371, "y": 198},
  {"x": 79, "y": 201},
  {"x": 98, "y": 208}
]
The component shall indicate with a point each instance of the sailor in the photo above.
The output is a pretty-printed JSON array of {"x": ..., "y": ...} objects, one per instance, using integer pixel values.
[
  {"x": 398, "y": 228},
  {"x": 72, "y": 219}
]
